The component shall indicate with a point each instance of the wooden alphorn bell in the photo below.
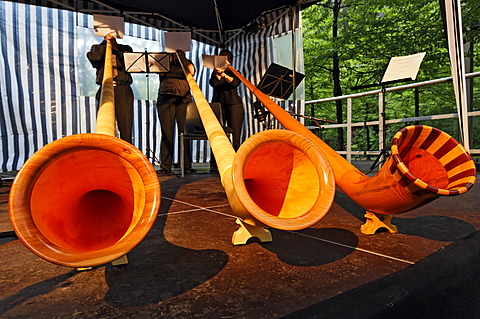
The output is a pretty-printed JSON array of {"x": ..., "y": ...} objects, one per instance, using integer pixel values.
[
  {"x": 86, "y": 199},
  {"x": 277, "y": 178},
  {"x": 425, "y": 163}
]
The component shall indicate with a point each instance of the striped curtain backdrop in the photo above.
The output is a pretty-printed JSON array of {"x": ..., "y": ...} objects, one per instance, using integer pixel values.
[
  {"x": 40, "y": 91},
  {"x": 253, "y": 54}
]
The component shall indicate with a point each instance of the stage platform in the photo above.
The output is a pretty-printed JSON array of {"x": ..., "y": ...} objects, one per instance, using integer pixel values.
[{"x": 187, "y": 266}]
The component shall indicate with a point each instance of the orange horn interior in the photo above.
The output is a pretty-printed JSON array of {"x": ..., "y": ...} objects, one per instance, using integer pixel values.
[
  {"x": 277, "y": 178},
  {"x": 86, "y": 199},
  {"x": 425, "y": 164},
  {"x": 283, "y": 180}
]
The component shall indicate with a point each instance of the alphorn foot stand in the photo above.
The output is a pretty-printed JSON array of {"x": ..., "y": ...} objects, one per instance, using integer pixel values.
[
  {"x": 376, "y": 221},
  {"x": 245, "y": 232},
  {"x": 117, "y": 262}
]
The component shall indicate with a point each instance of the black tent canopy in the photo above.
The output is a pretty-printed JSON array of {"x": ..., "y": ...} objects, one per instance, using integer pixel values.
[
  {"x": 51, "y": 45},
  {"x": 211, "y": 21}
]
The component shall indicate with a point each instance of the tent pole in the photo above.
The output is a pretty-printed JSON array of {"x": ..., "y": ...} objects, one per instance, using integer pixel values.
[
  {"x": 453, "y": 19},
  {"x": 294, "y": 60},
  {"x": 219, "y": 23}
]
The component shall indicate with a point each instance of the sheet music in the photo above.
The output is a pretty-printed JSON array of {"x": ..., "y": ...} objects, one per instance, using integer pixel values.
[
  {"x": 143, "y": 62},
  {"x": 177, "y": 41},
  {"x": 214, "y": 61},
  {"x": 103, "y": 25},
  {"x": 159, "y": 62},
  {"x": 403, "y": 67}
]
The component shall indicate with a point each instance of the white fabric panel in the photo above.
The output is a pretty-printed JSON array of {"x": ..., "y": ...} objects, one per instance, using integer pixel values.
[{"x": 40, "y": 90}]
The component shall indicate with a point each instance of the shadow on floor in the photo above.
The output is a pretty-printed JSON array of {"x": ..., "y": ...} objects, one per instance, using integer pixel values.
[{"x": 165, "y": 270}]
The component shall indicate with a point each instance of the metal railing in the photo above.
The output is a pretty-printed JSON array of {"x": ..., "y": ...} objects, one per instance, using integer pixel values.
[{"x": 382, "y": 121}]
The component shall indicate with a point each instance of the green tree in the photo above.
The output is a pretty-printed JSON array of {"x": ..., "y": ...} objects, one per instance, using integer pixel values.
[{"x": 348, "y": 43}]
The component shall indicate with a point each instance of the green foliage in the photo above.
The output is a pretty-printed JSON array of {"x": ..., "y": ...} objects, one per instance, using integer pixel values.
[{"x": 365, "y": 36}]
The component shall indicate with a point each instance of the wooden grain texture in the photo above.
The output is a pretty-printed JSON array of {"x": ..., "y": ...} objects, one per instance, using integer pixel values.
[
  {"x": 425, "y": 164},
  {"x": 290, "y": 184},
  {"x": 283, "y": 179},
  {"x": 86, "y": 199},
  {"x": 106, "y": 121}
]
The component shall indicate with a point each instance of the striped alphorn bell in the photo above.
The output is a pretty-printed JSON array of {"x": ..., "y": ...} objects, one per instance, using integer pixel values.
[
  {"x": 425, "y": 164},
  {"x": 276, "y": 178},
  {"x": 86, "y": 199}
]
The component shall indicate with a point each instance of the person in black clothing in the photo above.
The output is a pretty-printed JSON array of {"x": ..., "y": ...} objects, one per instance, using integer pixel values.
[
  {"x": 121, "y": 81},
  {"x": 225, "y": 83},
  {"x": 173, "y": 97}
]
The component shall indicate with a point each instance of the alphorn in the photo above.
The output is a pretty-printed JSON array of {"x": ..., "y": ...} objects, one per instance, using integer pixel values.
[
  {"x": 425, "y": 163},
  {"x": 86, "y": 199},
  {"x": 276, "y": 178}
]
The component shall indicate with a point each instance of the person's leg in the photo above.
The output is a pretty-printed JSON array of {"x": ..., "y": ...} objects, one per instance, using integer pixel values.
[
  {"x": 124, "y": 111},
  {"x": 166, "y": 115},
  {"x": 180, "y": 114},
  {"x": 213, "y": 161},
  {"x": 234, "y": 118},
  {"x": 97, "y": 96}
]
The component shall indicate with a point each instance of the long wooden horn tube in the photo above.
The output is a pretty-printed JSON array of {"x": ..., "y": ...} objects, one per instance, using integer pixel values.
[
  {"x": 425, "y": 164},
  {"x": 277, "y": 178},
  {"x": 86, "y": 199},
  {"x": 106, "y": 111}
]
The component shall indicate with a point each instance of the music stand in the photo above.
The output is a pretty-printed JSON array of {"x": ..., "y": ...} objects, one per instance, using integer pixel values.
[
  {"x": 278, "y": 81},
  {"x": 147, "y": 62}
]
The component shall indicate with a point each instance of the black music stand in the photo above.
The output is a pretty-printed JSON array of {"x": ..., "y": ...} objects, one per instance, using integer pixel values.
[
  {"x": 278, "y": 81},
  {"x": 147, "y": 62}
]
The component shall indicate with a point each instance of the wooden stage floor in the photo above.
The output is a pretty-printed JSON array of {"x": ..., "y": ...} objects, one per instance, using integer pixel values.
[{"x": 187, "y": 266}]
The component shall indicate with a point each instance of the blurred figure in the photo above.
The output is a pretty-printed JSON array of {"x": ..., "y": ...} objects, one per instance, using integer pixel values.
[
  {"x": 173, "y": 97},
  {"x": 225, "y": 83},
  {"x": 121, "y": 82}
]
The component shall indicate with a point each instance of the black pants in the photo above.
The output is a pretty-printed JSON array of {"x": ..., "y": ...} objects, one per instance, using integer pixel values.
[
  {"x": 169, "y": 109},
  {"x": 123, "y": 110},
  {"x": 233, "y": 115}
]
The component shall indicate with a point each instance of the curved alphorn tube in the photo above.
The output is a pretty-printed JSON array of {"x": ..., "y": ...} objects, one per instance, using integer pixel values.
[
  {"x": 277, "y": 178},
  {"x": 86, "y": 199},
  {"x": 425, "y": 164}
]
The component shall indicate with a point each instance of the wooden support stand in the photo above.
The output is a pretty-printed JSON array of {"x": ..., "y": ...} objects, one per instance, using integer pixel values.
[
  {"x": 245, "y": 232},
  {"x": 120, "y": 261},
  {"x": 377, "y": 221},
  {"x": 117, "y": 262}
]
